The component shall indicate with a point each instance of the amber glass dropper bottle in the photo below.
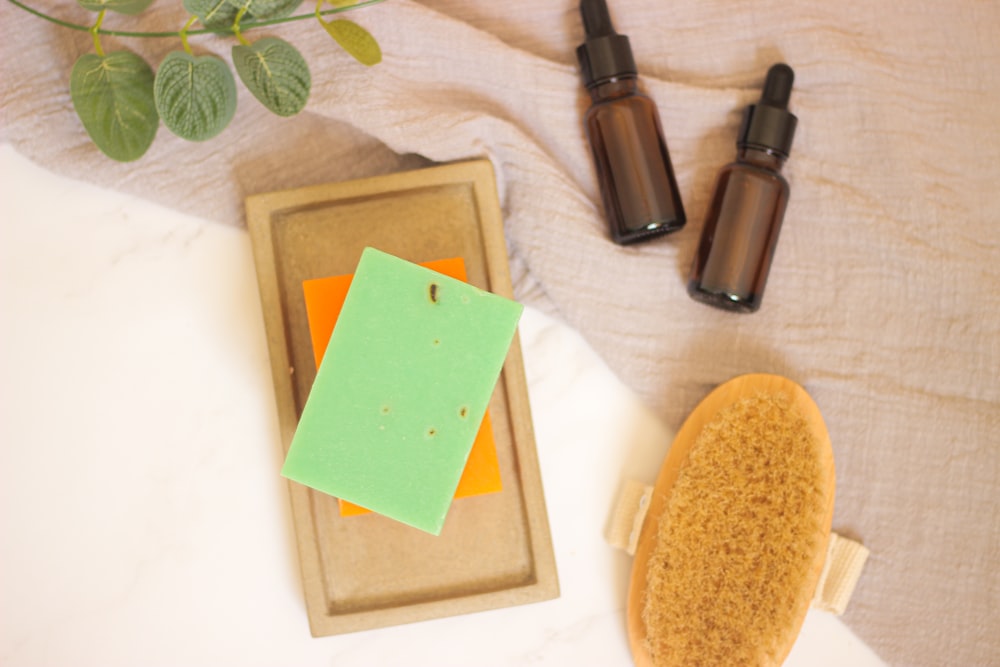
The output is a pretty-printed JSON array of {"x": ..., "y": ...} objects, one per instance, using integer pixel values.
[
  {"x": 745, "y": 213},
  {"x": 634, "y": 173}
]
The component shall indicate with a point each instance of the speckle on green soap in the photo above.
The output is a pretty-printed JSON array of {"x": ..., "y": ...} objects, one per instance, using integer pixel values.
[{"x": 402, "y": 389}]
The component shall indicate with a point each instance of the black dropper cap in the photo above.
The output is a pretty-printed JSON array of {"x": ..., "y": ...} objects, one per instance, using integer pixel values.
[
  {"x": 768, "y": 124},
  {"x": 606, "y": 54}
]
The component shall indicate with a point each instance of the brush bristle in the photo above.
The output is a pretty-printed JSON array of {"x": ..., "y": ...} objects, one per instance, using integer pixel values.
[{"x": 738, "y": 540}]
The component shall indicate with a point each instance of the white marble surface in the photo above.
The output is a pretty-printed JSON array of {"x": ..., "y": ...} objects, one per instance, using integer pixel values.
[{"x": 143, "y": 518}]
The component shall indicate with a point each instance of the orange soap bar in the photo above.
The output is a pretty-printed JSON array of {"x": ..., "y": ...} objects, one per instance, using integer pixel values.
[{"x": 324, "y": 300}]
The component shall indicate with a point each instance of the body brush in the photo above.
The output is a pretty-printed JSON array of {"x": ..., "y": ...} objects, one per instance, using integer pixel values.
[{"x": 737, "y": 529}]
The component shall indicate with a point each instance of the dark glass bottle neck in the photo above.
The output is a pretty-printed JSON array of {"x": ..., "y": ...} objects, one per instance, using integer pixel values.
[
  {"x": 761, "y": 157},
  {"x": 612, "y": 88}
]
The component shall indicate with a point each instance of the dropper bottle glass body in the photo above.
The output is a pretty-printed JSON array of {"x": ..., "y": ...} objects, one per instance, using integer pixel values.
[
  {"x": 638, "y": 188},
  {"x": 741, "y": 232},
  {"x": 747, "y": 208}
]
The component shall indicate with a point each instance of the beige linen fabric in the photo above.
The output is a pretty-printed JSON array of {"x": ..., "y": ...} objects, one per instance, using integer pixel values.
[{"x": 884, "y": 299}]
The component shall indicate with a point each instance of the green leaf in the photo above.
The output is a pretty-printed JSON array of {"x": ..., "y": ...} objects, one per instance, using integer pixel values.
[
  {"x": 355, "y": 40},
  {"x": 195, "y": 95},
  {"x": 113, "y": 96},
  {"x": 267, "y": 9},
  {"x": 212, "y": 13},
  {"x": 120, "y": 6},
  {"x": 276, "y": 73},
  {"x": 215, "y": 14},
  {"x": 274, "y": 9}
]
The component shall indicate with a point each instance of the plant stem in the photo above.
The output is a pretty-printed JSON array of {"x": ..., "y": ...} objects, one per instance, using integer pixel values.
[
  {"x": 95, "y": 33},
  {"x": 236, "y": 25},
  {"x": 184, "y": 35},
  {"x": 205, "y": 31}
]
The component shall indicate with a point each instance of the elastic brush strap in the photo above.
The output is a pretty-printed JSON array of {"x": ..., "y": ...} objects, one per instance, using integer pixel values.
[{"x": 844, "y": 560}]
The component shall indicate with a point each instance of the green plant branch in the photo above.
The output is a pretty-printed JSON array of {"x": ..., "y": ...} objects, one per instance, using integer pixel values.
[
  {"x": 249, "y": 25},
  {"x": 236, "y": 25},
  {"x": 184, "y": 35},
  {"x": 95, "y": 32}
]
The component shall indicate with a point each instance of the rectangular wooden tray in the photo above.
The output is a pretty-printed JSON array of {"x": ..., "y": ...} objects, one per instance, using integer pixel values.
[{"x": 368, "y": 571}]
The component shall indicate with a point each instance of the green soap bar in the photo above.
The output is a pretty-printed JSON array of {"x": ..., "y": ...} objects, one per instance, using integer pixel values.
[{"x": 401, "y": 391}]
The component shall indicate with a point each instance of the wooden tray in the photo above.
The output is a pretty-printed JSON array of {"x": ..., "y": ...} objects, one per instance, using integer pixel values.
[{"x": 368, "y": 571}]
